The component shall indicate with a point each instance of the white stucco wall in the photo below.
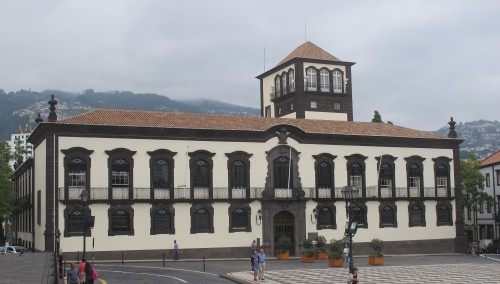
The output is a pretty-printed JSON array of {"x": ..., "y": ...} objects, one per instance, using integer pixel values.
[
  {"x": 40, "y": 181},
  {"x": 326, "y": 115},
  {"x": 258, "y": 172}
]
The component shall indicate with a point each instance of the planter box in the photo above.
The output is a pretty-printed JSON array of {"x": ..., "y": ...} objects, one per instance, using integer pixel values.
[
  {"x": 321, "y": 255},
  {"x": 372, "y": 260},
  {"x": 336, "y": 262},
  {"x": 307, "y": 259},
  {"x": 283, "y": 256}
]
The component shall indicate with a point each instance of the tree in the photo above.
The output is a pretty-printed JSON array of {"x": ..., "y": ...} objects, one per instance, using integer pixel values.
[
  {"x": 473, "y": 187},
  {"x": 6, "y": 191},
  {"x": 19, "y": 152},
  {"x": 377, "y": 117}
]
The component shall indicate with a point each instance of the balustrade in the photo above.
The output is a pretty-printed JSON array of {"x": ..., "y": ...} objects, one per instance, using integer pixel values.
[{"x": 119, "y": 193}]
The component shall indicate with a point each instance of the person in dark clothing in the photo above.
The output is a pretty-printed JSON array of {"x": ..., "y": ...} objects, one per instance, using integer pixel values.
[
  {"x": 353, "y": 276},
  {"x": 89, "y": 275}
]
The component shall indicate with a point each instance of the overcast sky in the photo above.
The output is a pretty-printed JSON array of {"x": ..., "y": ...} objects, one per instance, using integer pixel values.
[{"x": 417, "y": 62}]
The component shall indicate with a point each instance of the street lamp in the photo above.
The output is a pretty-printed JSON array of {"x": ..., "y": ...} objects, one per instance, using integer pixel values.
[
  {"x": 84, "y": 196},
  {"x": 350, "y": 193}
]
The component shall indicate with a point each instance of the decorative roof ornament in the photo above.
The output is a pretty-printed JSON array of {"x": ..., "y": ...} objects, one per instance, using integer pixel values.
[
  {"x": 52, "y": 114},
  {"x": 452, "y": 133},
  {"x": 282, "y": 135}
]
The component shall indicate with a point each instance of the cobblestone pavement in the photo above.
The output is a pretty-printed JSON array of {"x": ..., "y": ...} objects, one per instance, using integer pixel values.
[{"x": 473, "y": 272}]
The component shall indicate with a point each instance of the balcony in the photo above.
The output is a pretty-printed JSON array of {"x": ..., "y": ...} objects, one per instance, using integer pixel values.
[{"x": 104, "y": 194}]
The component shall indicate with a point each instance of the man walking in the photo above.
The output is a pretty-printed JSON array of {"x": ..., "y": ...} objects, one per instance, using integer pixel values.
[
  {"x": 262, "y": 263},
  {"x": 176, "y": 250},
  {"x": 346, "y": 256},
  {"x": 72, "y": 275}
]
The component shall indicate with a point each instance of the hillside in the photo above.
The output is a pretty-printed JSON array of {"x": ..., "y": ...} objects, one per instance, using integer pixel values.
[
  {"x": 18, "y": 110},
  {"x": 482, "y": 137}
]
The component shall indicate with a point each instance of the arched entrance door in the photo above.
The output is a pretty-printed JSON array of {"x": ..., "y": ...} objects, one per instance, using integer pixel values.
[{"x": 283, "y": 224}]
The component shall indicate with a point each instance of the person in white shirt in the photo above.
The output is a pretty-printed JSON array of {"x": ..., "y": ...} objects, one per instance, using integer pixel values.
[{"x": 346, "y": 256}]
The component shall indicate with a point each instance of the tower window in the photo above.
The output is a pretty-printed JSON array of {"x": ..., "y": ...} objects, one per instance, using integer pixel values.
[
  {"x": 311, "y": 80},
  {"x": 336, "y": 106},
  {"x": 337, "y": 81},
  {"x": 324, "y": 80},
  {"x": 314, "y": 104}
]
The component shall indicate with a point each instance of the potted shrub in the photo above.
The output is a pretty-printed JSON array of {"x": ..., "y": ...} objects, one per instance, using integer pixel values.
[
  {"x": 377, "y": 257},
  {"x": 336, "y": 255},
  {"x": 309, "y": 254},
  {"x": 321, "y": 248},
  {"x": 283, "y": 251}
]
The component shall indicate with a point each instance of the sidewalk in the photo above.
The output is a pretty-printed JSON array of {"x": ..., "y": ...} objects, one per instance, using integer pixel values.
[{"x": 27, "y": 268}]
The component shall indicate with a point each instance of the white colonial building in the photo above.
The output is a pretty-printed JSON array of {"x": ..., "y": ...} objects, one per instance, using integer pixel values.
[{"x": 214, "y": 183}]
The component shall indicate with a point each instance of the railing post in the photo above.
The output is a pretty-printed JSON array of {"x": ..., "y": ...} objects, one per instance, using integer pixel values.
[
  {"x": 163, "y": 259},
  {"x": 122, "y": 259},
  {"x": 203, "y": 263}
]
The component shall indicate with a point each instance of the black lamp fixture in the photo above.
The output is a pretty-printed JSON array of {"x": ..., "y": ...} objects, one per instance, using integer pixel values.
[
  {"x": 258, "y": 217},
  {"x": 350, "y": 193},
  {"x": 84, "y": 196}
]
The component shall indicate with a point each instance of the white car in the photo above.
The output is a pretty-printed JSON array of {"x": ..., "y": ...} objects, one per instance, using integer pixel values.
[{"x": 13, "y": 249}]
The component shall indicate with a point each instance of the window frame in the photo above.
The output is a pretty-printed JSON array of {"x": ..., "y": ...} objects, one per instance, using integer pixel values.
[
  {"x": 311, "y": 79},
  {"x": 320, "y": 221},
  {"x": 247, "y": 213},
  {"x": 324, "y": 80},
  {"x": 115, "y": 209},
  {"x": 195, "y": 211},
  {"x": 388, "y": 215},
  {"x": 337, "y": 81},
  {"x": 170, "y": 210}
]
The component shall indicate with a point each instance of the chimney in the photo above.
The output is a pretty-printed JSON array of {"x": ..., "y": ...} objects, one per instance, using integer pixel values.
[
  {"x": 52, "y": 114},
  {"x": 452, "y": 133}
]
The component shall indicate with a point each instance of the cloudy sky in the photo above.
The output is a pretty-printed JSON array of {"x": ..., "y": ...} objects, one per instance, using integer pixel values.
[{"x": 417, "y": 62}]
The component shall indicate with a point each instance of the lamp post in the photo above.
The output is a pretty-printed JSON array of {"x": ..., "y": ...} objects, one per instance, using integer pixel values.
[
  {"x": 350, "y": 193},
  {"x": 84, "y": 196}
]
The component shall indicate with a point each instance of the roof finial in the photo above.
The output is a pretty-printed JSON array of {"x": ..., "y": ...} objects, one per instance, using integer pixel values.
[
  {"x": 39, "y": 119},
  {"x": 452, "y": 133},
  {"x": 52, "y": 114}
]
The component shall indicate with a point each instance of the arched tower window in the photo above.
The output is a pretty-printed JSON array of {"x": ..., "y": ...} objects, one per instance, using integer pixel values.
[
  {"x": 337, "y": 81},
  {"x": 283, "y": 83},
  {"x": 324, "y": 80},
  {"x": 312, "y": 84},
  {"x": 277, "y": 86},
  {"x": 291, "y": 80}
]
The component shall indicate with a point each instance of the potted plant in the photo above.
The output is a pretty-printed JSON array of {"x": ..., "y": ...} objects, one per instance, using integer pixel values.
[
  {"x": 309, "y": 254},
  {"x": 336, "y": 255},
  {"x": 283, "y": 251},
  {"x": 377, "y": 257},
  {"x": 321, "y": 248}
]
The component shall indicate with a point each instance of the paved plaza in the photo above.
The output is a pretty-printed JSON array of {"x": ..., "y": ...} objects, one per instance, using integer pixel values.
[
  {"x": 452, "y": 268},
  {"x": 471, "y": 272}
]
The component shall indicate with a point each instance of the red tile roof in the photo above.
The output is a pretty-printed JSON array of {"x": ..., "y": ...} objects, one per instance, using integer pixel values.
[
  {"x": 493, "y": 159},
  {"x": 309, "y": 50},
  {"x": 150, "y": 119}
]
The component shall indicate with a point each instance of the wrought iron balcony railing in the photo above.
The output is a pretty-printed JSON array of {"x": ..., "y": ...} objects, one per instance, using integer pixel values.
[{"x": 224, "y": 193}]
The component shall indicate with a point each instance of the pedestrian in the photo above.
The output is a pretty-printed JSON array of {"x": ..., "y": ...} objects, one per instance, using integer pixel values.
[
  {"x": 176, "y": 250},
  {"x": 255, "y": 265},
  {"x": 353, "y": 276},
  {"x": 90, "y": 274},
  {"x": 474, "y": 248},
  {"x": 261, "y": 258},
  {"x": 254, "y": 246},
  {"x": 72, "y": 276},
  {"x": 60, "y": 258},
  {"x": 346, "y": 256},
  {"x": 81, "y": 270}
]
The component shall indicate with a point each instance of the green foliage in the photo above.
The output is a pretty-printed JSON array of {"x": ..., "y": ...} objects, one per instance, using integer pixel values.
[
  {"x": 377, "y": 245},
  {"x": 320, "y": 242},
  {"x": 377, "y": 117},
  {"x": 307, "y": 244},
  {"x": 309, "y": 253},
  {"x": 473, "y": 185},
  {"x": 284, "y": 243},
  {"x": 6, "y": 192},
  {"x": 336, "y": 249},
  {"x": 336, "y": 255}
]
